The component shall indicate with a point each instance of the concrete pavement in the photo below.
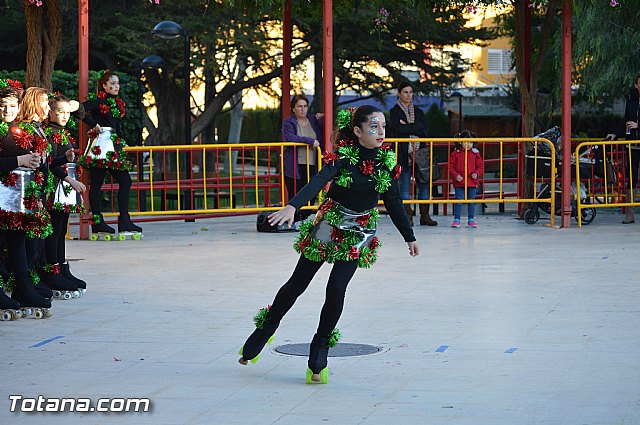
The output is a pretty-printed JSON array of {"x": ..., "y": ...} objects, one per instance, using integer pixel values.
[{"x": 508, "y": 323}]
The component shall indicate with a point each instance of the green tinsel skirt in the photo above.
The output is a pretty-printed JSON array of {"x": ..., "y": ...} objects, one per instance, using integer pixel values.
[{"x": 339, "y": 234}]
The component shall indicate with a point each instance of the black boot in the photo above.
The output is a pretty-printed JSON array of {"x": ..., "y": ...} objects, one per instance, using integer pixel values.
[
  {"x": 25, "y": 293},
  {"x": 100, "y": 226},
  {"x": 9, "y": 308},
  {"x": 64, "y": 270},
  {"x": 44, "y": 290},
  {"x": 60, "y": 285},
  {"x": 251, "y": 349},
  {"x": 126, "y": 225},
  {"x": 318, "y": 352}
]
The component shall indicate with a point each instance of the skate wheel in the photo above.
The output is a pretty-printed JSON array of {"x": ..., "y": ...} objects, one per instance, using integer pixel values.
[
  {"x": 255, "y": 359},
  {"x": 309, "y": 376},
  {"x": 6, "y": 316},
  {"x": 121, "y": 237},
  {"x": 57, "y": 294},
  {"x": 94, "y": 237},
  {"x": 27, "y": 312},
  {"x": 76, "y": 294},
  {"x": 15, "y": 315},
  {"x": 107, "y": 237},
  {"x": 38, "y": 314},
  {"x": 83, "y": 291},
  {"x": 271, "y": 338},
  {"x": 137, "y": 236},
  {"x": 67, "y": 296},
  {"x": 47, "y": 313}
]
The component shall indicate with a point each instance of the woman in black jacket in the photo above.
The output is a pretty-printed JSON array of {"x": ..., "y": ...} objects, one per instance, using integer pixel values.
[
  {"x": 408, "y": 121},
  {"x": 104, "y": 111}
]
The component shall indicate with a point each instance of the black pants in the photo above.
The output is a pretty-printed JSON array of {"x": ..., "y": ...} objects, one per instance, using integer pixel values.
[
  {"x": 54, "y": 243},
  {"x": 294, "y": 185},
  {"x": 632, "y": 171},
  {"x": 17, "y": 245},
  {"x": 124, "y": 187},
  {"x": 305, "y": 270}
]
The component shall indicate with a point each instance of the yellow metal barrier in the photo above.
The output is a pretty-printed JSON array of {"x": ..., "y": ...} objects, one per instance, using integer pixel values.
[{"x": 242, "y": 178}]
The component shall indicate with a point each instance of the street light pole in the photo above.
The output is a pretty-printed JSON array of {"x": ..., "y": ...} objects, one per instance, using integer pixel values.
[{"x": 169, "y": 30}]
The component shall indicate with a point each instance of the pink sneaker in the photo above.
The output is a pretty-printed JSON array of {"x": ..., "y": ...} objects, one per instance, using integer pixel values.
[
  {"x": 456, "y": 223},
  {"x": 473, "y": 224}
]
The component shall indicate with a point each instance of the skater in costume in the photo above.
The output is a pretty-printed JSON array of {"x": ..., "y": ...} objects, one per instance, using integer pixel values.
[
  {"x": 104, "y": 111},
  {"x": 34, "y": 110},
  {"x": 299, "y": 167},
  {"x": 58, "y": 207},
  {"x": 342, "y": 232},
  {"x": 20, "y": 143},
  {"x": 9, "y": 107}
]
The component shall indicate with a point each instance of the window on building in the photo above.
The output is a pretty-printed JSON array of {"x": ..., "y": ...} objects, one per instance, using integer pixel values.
[{"x": 500, "y": 62}]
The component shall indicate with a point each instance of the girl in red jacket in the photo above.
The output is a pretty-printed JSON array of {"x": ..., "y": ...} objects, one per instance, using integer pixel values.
[{"x": 465, "y": 168}]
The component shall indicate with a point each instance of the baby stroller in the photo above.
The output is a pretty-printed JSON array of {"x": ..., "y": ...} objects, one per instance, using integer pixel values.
[{"x": 540, "y": 166}]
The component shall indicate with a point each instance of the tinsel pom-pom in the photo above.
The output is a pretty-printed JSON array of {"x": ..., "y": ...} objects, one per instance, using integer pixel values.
[
  {"x": 350, "y": 153},
  {"x": 4, "y": 128},
  {"x": 329, "y": 158},
  {"x": 334, "y": 337},
  {"x": 315, "y": 251},
  {"x": 387, "y": 158},
  {"x": 345, "y": 179},
  {"x": 333, "y": 217},
  {"x": 383, "y": 181},
  {"x": 262, "y": 317},
  {"x": 344, "y": 119}
]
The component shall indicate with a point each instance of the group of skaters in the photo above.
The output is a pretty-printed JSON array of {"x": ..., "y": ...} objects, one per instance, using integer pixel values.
[{"x": 40, "y": 187}]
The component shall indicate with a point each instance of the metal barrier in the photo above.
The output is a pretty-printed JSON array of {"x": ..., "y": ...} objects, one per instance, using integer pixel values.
[
  {"x": 605, "y": 166},
  {"x": 499, "y": 183},
  {"x": 189, "y": 181}
]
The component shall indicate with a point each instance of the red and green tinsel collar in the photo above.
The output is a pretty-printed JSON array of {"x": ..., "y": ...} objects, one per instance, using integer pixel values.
[
  {"x": 113, "y": 104},
  {"x": 378, "y": 170}
]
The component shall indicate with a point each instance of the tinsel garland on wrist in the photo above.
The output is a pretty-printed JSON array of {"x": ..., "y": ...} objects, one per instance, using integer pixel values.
[
  {"x": 262, "y": 317},
  {"x": 341, "y": 247}
]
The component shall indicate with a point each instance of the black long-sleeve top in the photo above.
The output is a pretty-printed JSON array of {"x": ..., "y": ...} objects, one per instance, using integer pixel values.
[
  {"x": 361, "y": 195},
  {"x": 10, "y": 149},
  {"x": 58, "y": 150},
  {"x": 93, "y": 114},
  {"x": 418, "y": 128}
]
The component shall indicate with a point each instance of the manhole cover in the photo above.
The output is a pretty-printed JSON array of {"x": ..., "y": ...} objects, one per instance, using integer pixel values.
[{"x": 340, "y": 350}]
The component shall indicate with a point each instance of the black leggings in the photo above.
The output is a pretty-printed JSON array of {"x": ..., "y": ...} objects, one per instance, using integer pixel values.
[
  {"x": 54, "y": 243},
  {"x": 305, "y": 270},
  {"x": 124, "y": 186},
  {"x": 17, "y": 244}
]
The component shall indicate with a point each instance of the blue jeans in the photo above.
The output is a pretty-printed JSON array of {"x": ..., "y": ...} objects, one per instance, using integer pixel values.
[
  {"x": 404, "y": 183},
  {"x": 457, "y": 208}
]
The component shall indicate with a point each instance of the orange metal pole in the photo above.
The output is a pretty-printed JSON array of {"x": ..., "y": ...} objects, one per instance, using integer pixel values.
[
  {"x": 327, "y": 67},
  {"x": 287, "y": 31},
  {"x": 526, "y": 43},
  {"x": 566, "y": 113},
  {"x": 83, "y": 92}
]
